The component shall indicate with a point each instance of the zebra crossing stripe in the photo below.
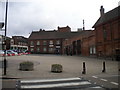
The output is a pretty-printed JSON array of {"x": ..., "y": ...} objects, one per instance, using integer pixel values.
[
  {"x": 96, "y": 87},
  {"x": 114, "y": 83},
  {"x": 94, "y": 76},
  {"x": 49, "y": 80},
  {"x": 56, "y": 85}
]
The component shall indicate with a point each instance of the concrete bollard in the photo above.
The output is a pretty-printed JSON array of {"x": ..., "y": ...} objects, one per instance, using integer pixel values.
[
  {"x": 104, "y": 69},
  {"x": 84, "y": 68}
]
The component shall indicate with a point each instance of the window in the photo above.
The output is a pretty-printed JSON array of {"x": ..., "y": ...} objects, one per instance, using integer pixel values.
[
  {"x": 105, "y": 34},
  {"x": 44, "y": 49},
  {"x": 50, "y": 49},
  {"x": 12, "y": 41},
  {"x": 94, "y": 50},
  {"x": 38, "y": 42},
  {"x": 38, "y": 49},
  {"x": 31, "y": 49},
  {"x": 31, "y": 43},
  {"x": 18, "y": 43},
  {"x": 51, "y": 42},
  {"x": 58, "y": 42},
  {"x": 44, "y": 42},
  {"x": 91, "y": 51}
]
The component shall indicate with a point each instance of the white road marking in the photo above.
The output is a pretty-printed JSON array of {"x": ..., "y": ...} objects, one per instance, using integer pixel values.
[
  {"x": 114, "y": 83},
  {"x": 94, "y": 76},
  {"x": 96, "y": 87},
  {"x": 56, "y": 85},
  {"x": 49, "y": 80},
  {"x": 104, "y": 80}
]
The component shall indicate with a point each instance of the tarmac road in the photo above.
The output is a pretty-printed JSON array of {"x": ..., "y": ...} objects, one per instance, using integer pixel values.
[{"x": 72, "y": 67}]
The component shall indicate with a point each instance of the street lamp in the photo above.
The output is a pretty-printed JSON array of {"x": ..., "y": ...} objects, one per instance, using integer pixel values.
[{"x": 5, "y": 61}]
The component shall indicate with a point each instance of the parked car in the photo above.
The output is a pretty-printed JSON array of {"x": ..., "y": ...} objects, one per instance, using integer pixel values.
[
  {"x": 26, "y": 52},
  {"x": 11, "y": 52},
  {"x": 1, "y": 53}
]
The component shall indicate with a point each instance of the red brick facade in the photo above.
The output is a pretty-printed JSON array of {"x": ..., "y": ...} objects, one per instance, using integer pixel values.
[
  {"x": 107, "y": 33},
  {"x": 82, "y": 44}
]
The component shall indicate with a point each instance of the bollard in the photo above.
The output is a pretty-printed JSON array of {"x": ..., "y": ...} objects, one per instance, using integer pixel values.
[
  {"x": 104, "y": 70},
  {"x": 84, "y": 68}
]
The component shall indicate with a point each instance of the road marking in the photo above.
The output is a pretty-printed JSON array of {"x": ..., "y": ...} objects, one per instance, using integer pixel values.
[
  {"x": 94, "y": 76},
  {"x": 56, "y": 85},
  {"x": 49, "y": 80},
  {"x": 96, "y": 87},
  {"x": 104, "y": 80},
  {"x": 114, "y": 83}
]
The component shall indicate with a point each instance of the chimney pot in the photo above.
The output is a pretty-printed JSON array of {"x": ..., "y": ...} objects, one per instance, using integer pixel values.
[{"x": 101, "y": 11}]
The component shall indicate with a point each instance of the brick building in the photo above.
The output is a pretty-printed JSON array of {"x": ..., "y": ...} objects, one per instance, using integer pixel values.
[
  {"x": 107, "y": 33},
  {"x": 49, "y": 42},
  {"x": 83, "y": 43},
  {"x": 19, "y": 43}
]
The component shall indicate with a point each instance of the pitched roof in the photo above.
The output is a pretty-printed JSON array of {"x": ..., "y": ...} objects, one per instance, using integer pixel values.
[
  {"x": 52, "y": 35},
  {"x": 113, "y": 14}
]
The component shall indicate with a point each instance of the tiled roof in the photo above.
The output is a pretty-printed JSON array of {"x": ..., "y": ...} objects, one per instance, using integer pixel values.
[
  {"x": 52, "y": 35},
  {"x": 113, "y": 14}
]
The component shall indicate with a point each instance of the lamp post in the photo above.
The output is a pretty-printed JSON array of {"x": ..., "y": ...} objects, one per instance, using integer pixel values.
[{"x": 5, "y": 61}]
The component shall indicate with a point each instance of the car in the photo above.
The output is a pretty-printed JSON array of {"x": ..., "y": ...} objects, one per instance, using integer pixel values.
[
  {"x": 11, "y": 52},
  {"x": 1, "y": 53}
]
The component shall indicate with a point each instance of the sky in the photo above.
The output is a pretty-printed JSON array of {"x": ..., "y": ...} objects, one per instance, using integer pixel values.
[{"x": 25, "y": 16}]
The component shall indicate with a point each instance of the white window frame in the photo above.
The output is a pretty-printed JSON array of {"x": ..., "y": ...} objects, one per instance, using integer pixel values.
[
  {"x": 44, "y": 49},
  {"x": 38, "y": 42},
  {"x": 58, "y": 42}
]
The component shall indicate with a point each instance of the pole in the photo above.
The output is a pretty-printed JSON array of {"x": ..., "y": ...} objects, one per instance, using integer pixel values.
[
  {"x": 83, "y": 25},
  {"x": 84, "y": 68},
  {"x": 104, "y": 70},
  {"x": 5, "y": 61}
]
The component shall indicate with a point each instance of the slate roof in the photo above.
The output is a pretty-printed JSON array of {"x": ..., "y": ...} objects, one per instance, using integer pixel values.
[
  {"x": 113, "y": 14},
  {"x": 53, "y": 34}
]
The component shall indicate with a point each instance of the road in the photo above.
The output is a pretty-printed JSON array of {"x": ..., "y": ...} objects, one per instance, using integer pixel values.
[{"x": 72, "y": 68}]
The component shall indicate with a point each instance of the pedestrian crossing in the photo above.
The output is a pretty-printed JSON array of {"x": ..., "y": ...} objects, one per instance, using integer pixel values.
[{"x": 55, "y": 84}]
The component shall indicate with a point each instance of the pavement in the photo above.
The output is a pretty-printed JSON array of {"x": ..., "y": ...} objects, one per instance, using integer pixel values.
[{"x": 72, "y": 67}]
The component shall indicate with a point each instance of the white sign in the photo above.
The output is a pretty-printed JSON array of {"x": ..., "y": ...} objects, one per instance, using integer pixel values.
[
  {"x": 51, "y": 45},
  {"x": 57, "y": 46}
]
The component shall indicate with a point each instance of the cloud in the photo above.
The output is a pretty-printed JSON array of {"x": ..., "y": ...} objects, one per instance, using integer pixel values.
[{"x": 27, "y": 15}]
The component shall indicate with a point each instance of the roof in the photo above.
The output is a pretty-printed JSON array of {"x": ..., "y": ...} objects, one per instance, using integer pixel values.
[
  {"x": 113, "y": 14},
  {"x": 52, "y": 35}
]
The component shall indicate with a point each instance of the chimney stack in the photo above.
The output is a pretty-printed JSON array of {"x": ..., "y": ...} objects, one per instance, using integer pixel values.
[{"x": 101, "y": 11}]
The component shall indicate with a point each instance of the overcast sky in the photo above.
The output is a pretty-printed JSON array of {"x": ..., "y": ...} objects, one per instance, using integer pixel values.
[{"x": 28, "y": 15}]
